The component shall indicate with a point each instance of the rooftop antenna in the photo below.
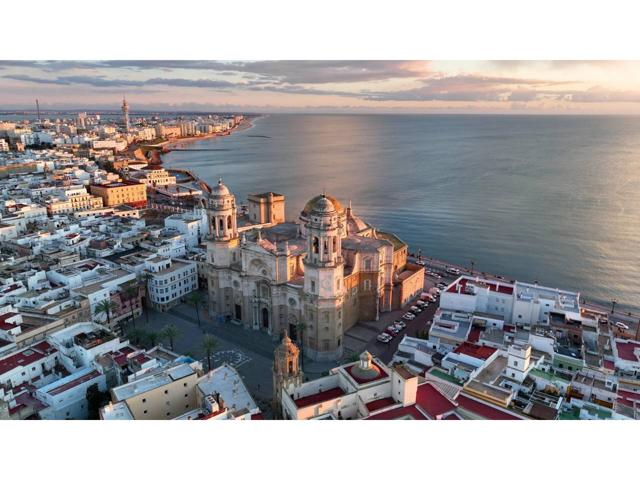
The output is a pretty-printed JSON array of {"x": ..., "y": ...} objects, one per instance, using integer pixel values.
[{"x": 38, "y": 109}]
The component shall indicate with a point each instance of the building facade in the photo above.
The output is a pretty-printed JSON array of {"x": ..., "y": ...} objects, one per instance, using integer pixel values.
[{"x": 314, "y": 278}]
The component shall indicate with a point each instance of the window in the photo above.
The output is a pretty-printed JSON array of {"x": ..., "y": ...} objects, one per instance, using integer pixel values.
[
  {"x": 168, "y": 413},
  {"x": 515, "y": 363},
  {"x": 145, "y": 412},
  {"x": 144, "y": 400},
  {"x": 185, "y": 384},
  {"x": 315, "y": 246},
  {"x": 166, "y": 392},
  {"x": 313, "y": 289},
  {"x": 186, "y": 395}
]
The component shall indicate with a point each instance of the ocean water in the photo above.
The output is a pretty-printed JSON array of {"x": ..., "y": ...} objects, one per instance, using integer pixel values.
[{"x": 549, "y": 198}]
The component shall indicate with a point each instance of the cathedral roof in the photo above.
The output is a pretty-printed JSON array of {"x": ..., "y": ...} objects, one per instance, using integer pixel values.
[
  {"x": 319, "y": 203},
  {"x": 220, "y": 189}
]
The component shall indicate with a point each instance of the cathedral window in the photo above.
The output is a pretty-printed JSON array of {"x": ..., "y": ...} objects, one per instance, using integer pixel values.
[
  {"x": 221, "y": 224},
  {"x": 313, "y": 286},
  {"x": 229, "y": 223},
  {"x": 290, "y": 366},
  {"x": 315, "y": 245}
]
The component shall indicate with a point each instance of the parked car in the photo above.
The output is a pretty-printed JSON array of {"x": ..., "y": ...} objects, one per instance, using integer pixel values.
[
  {"x": 420, "y": 262},
  {"x": 400, "y": 324},
  {"x": 384, "y": 337},
  {"x": 422, "y": 303},
  {"x": 453, "y": 271},
  {"x": 415, "y": 309},
  {"x": 391, "y": 330},
  {"x": 408, "y": 316},
  {"x": 622, "y": 326},
  {"x": 435, "y": 275},
  {"x": 441, "y": 288}
]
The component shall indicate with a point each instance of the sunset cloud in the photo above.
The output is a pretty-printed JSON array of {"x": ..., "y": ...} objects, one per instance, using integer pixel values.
[{"x": 342, "y": 84}]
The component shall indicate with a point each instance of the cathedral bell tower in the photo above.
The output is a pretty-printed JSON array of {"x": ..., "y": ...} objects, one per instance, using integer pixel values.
[
  {"x": 223, "y": 247},
  {"x": 323, "y": 280},
  {"x": 286, "y": 371}
]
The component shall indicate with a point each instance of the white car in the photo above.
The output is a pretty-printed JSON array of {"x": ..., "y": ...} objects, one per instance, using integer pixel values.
[
  {"x": 384, "y": 338},
  {"x": 400, "y": 324},
  {"x": 408, "y": 316},
  {"x": 622, "y": 326},
  {"x": 415, "y": 309},
  {"x": 420, "y": 262},
  {"x": 422, "y": 304},
  {"x": 453, "y": 271}
]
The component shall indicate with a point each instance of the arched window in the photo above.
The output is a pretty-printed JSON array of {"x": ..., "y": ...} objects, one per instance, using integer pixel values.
[
  {"x": 290, "y": 366},
  {"x": 221, "y": 223},
  {"x": 229, "y": 222},
  {"x": 326, "y": 245},
  {"x": 315, "y": 245}
]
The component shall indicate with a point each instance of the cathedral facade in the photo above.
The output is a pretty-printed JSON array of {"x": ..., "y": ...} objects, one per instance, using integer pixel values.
[{"x": 315, "y": 278}]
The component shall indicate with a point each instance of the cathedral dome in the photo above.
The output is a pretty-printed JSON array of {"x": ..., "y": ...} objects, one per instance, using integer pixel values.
[
  {"x": 220, "y": 190},
  {"x": 319, "y": 204}
]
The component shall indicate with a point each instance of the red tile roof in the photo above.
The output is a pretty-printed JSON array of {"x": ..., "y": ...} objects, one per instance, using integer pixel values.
[
  {"x": 609, "y": 364},
  {"x": 482, "y": 409},
  {"x": 381, "y": 374},
  {"x": 476, "y": 351},
  {"x": 319, "y": 397},
  {"x": 25, "y": 357},
  {"x": 493, "y": 286},
  {"x": 257, "y": 416},
  {"x": 432, "y": 401},
  {"x": 625, "y": 350},
  {"x": 380, "y": 403},
  {"x": 474, "y": 334}
]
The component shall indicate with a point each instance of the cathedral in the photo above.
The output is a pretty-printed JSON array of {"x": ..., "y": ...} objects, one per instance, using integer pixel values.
[{"x": 314, "y": 278}]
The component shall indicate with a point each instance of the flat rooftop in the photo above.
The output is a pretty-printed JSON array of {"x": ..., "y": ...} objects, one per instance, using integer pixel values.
[
  {"x": 152, "y": 381},
  {"x": 226, "y": 381}
]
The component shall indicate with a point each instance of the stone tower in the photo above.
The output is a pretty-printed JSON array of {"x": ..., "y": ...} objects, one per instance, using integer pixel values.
[
  {"x": 223, "y": 247},
  {"x": 286, "y": 371},
  {"x": 125, "y": 115},
  {"x": 323, "y": 276}
]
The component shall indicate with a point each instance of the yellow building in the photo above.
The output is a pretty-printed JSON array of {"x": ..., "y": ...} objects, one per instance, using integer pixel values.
[{"x": 118, "y": 193}]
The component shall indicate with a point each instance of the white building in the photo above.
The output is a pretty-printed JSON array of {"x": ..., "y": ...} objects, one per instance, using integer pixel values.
[
  {"x": 170, "y": 280},
  {"x": 518, "y": 303}
]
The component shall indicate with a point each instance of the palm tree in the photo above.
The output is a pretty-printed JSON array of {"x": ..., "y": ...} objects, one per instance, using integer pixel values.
[
  {"x": 136, "y": 335},
  {"x": 146, "y": 277},
  {"x": 152, "y": 338},
  {"x": 170, "y": 332},
  {"x": 130, "y": 292},
  {"x": 209, "y": 344},
  {"x": 107, "y": 307},
  {"x": 195, "y": 298}
]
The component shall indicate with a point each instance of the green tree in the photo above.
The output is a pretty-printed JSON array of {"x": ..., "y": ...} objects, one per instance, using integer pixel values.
[
  {"x": 107, "y": 307},
  {"x": 196, "y": 299},
  {"x": 146, "y": 279},
  {"x": 170, "y": 332},
  {"x": 153, "y": 338},
  {"x": 209, "y": 344},
  {"x": 137, "y": 335},
  {"x": 130, "y": 292}
]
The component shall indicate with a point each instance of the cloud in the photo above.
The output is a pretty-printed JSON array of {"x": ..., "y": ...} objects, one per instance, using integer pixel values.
[
  {"x": 467, "y": 88},
  {"x": 288, "y": 71}
]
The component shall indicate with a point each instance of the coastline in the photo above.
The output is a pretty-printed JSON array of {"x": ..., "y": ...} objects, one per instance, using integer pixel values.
[{"x": 156, "y": 155}]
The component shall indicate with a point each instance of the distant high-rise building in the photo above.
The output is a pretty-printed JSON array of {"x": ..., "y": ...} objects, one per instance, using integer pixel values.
[{"x": 125, "y": 114}]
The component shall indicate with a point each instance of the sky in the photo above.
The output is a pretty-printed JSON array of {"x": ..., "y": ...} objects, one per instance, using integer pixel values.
[{"x": 371, "y": 86}]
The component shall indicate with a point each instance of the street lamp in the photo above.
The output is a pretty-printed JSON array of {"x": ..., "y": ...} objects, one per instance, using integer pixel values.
[
  {"x": 613, "y": 305},
  {"x": 473, "y": 264}
]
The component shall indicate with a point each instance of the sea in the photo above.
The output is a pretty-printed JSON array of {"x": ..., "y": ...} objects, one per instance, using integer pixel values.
[{"x": 552, "y": 199}]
